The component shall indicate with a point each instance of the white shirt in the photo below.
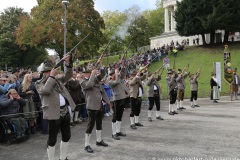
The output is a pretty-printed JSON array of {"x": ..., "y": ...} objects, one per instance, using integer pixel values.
[
  {"x": 140, "y": 92},
  {"x": 155, "y": 87},
  {"x": 62, "y": 100},
  {"x": 236, "y": 79}
]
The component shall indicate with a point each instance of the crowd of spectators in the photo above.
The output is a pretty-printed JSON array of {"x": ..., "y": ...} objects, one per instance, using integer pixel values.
[{"x": 20, "y": 101}]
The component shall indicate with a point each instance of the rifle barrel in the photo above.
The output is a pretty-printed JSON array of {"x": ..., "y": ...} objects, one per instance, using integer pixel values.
[{"x": 70, "y": 52}]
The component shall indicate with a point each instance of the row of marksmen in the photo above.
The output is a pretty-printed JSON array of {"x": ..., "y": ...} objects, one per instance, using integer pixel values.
[{"x": 56, "y": 99}]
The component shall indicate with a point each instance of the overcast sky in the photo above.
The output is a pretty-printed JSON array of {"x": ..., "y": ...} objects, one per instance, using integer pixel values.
[{"x": 100, "y": 5}]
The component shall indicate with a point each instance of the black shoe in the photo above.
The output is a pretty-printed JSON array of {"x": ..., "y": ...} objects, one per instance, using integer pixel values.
[
  {"x": 133, "y": 126},
  {"x": 102, "y": 143},
  {"x": 121, "y": 134},
  {"x": 182, "y": 108},
  {"x": 138, "y": 124},
  {"x": 171, "y": 113},
  {"x": 196, "y": 106},
  {"x": 89, "y": 149},
  {"x": 149, "y": 119},
  {"x": 72, "y": 124},
  {"x": 192, "y": 106},
  {"x": 174, "y": 112},
  {"x": 215, "y": 101},
  {"x": 159, "y": 117},
  {"x": 179, "y": 109},
  {"x": 64, "y": 159},
  {"x": 115, "y": 137}
]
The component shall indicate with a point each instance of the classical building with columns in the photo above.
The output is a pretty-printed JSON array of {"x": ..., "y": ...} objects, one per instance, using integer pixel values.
[{"x": 170, "y": 34}]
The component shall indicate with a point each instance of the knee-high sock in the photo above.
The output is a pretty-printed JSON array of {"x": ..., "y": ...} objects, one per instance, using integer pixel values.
[
  {"x": 181, "y": 103},
  {"x": 195, "y": 102},
  {"x": 99, "y": 135},
  {"x": 118, "y": 126},
  {"x": 136, "y": 119},
  {"x": 63, "y": 150},
  {"x": 132, "y": 120},
  {"x": 87, "y": 139},
  {"x": 172, "y": 107},
  {"x": 169, "y": 108},
  {"x": 76, "y": 115},
  {"x": 192, "y": 102},
  {"x": 157, "y": 113},
  {"x": 51, "y": 152},
  {"x": 149, "y": 113},
  {"x": 113, "y": 128},
  {"x": 178, "y": 104}
]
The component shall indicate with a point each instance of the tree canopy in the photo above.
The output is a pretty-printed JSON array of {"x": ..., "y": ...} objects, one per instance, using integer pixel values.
[
  {"x": 10, "y": 53},
  {"x": 207, "y": 16}
]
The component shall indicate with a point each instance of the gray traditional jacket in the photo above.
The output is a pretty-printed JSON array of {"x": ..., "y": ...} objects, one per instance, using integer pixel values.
[
  {"x": 135, "y": 83},
  {"x": 49, "y": 93},
  {"x": 150, "y": 85},
  {"x": 181, "y": 81},
  {"x": 194, "y": 83},
  {"x": 120, "y": 90},
  {"x": 94, "y": 92}
]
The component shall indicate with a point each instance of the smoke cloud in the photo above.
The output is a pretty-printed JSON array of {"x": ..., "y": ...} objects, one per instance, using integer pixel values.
[{"x": 132, "y": 14}]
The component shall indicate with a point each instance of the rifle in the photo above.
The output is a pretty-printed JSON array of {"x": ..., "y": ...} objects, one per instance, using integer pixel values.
[
  {"x": 174, "y": 63},
  {"x": 126, "y": 51},
  {"x": 70, "y": 52},
  {"x": 147, "y": 64},
  {"x": 187, "y": 65},
  {"x": 199, "y": 68},
  {"x": 103, "y": 53},
  {"x": 158, "y": 69}
]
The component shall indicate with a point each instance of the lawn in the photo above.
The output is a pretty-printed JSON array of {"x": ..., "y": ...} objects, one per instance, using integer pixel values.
[{"x": 199, "y": 55}]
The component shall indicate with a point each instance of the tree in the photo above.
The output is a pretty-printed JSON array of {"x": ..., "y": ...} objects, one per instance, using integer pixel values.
[
  {"x": 112, "y": 21},
  {"x": 207, "y": 16},
  {"x": 44, "y": 26},
  {"x": 10, "y": 53},
  {"x": 155, "y": 19},
  {"x": 139, "y": 32}
]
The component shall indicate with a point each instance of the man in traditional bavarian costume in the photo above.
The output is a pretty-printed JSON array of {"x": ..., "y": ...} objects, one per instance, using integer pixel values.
[
  {"x": 214, "y": 88},
  {"x": 235, "y": 85},
  {"x": 94, "y": 95},
  {"x": 153, "y": 92},
  {"x": 136, "y": 93},
  {"x": 194, "y": 88},
  {"x": 55, "y": 100},
  {"x": 181, "y": 87},
  {"x": 120, "y": 92},
  {"x": 172, "y": 88}
]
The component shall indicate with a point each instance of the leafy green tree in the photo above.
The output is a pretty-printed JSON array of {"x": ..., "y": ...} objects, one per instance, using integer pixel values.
[
  {"x": 44, "y": 26},
  {"x": 112, "y": 20},
  {"x": 207, "y": 16},
  {"x": 155, "y": 19},
  {"x": 11, "y": 54},
  {"x": 139, "y": 33}
]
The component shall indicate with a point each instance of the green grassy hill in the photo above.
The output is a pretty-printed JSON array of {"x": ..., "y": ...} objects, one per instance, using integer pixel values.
[{"x": 200, "y": 54}]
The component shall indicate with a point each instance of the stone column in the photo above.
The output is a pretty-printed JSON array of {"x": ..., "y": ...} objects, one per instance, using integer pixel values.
[
  {"x": 172, "y": 21},
  {"x": 166, "y": 18}
]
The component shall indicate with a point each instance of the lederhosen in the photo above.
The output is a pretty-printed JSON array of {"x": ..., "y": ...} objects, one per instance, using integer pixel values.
[
  {"x": 95, "y": 116},
  {"x": 136, "y": 104},
  {"x": 155, "y": 98},
  {"x": 62, "y": 124}
]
